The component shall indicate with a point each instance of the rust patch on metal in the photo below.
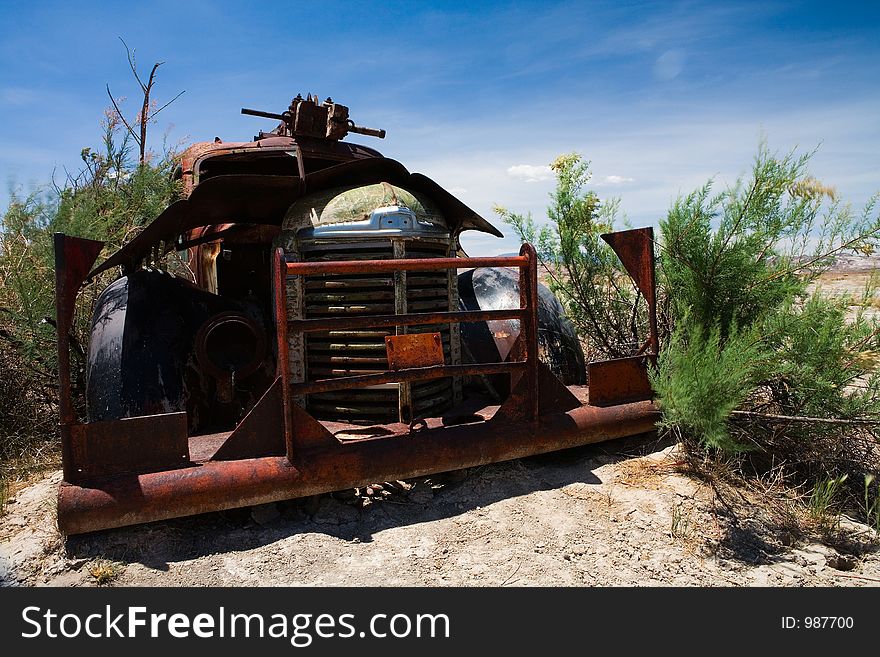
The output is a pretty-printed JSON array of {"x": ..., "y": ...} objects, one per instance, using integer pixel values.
[
  {"x": 619, "y": 381},
  {"x": 414, "y": 350},
  {"x": 135, "y": 444}
]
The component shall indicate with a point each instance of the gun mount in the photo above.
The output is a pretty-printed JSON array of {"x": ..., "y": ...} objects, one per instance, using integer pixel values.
[{"x": 308, "y": 117}]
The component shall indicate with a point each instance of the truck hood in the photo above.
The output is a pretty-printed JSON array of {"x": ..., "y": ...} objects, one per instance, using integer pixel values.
[{"x": 263, "y": 200}]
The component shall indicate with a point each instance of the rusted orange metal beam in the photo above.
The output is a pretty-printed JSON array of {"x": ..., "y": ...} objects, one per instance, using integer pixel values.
[
  {"x": 409, "y": 374},
  {"x": 331, "y": 465},
  {"x": 410, "y": 319},
  {"x": 409, "y": 264}
]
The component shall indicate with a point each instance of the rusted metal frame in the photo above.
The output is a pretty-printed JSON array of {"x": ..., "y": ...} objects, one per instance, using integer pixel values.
[
  {"x": 414, "y": 264},
  {"x": 74, "y": 258},
  {"x": 652, "y": 306},
  {"x": 526, "y": 262},
  {"x": 279, "y": 275},
  {"x": 528, "y": 291},
  {"x": 409, "y": 374},
  {"x": 410, "y": 319}
]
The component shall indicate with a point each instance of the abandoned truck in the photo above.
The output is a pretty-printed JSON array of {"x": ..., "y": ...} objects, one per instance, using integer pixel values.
[{"x": 326, "y": 332}]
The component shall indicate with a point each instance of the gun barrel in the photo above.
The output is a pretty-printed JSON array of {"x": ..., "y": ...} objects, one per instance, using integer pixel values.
[
  {"x": 361, "y": 130},
  {"x": 265, "y": 115}
]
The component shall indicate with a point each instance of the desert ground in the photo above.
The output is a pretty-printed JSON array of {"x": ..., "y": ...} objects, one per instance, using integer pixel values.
[{"x": 627, "y": 514}]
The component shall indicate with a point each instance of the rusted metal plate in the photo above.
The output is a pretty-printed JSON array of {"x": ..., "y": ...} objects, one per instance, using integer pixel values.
[
  {"x": 414, "y": 350},
  {"x": 619, "y": 381},
  {"x": 553, "y": 396},
  {"x": 635, "y": 248},
  {"x": 136, "y": 444},
  {"x": 260, "y": 433}
]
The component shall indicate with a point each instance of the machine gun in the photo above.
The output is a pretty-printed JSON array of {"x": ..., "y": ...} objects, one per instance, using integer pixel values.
[{"x": 307, "y": 117}]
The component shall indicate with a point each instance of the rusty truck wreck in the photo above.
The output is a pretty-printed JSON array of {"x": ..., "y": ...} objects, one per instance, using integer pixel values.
[{"x": 331, "y": 334}]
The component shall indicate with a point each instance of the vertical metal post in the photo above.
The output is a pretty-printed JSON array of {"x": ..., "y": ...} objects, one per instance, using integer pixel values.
[
  {"x": 454, "y": 327},
  {"x": 405, "y": 409},
  {"x": 279, "y": 279},
  {"x": 652, "y": 301},
  {"x": 74, "y": 258},
  {"x": 528, "y": 292},
  {"x": 62, "y": 338}
]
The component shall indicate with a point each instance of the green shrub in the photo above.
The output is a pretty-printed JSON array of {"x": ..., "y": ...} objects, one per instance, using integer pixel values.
[
  {"x": 700, "y": 380},
  {"x": 581, "y": 269},
  {"x": 757, "y": 361},
  {"x": 110, "y": 199}
]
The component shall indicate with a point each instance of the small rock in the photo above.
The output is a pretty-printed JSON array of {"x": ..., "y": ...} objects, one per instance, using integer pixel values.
[{"x": 265, "y": 513}]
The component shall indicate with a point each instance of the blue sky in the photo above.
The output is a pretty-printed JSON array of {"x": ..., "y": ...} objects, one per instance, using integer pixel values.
[{"x": 479, "y": 96}]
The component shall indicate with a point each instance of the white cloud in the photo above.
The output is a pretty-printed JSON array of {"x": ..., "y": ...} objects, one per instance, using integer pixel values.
[
  {"x": 530, "y": 172},
  {"x": 613, "y": 181}
]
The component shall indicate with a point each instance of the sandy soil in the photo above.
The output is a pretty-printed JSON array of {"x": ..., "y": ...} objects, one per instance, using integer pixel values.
[{"x": 583, "y": 517}]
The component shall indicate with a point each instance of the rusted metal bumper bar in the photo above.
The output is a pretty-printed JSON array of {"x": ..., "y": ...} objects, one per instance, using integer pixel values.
[
  {"x": 409, "y": 374},
  {"x": 411, "y": 319},
  {"x": 212, "y": 486}
]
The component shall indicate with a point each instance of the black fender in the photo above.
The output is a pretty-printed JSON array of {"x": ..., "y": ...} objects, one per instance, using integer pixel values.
[
  {"x": 142, "y": 356},
  {"x": 497, "y": 288}
]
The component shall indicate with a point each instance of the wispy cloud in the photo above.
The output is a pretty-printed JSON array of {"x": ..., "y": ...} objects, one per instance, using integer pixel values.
[
  {"x": 17, "y": 97},
  {"x": 669, "y": 65},
  {"x": 613, "y": 181},
  {"x": 530, "y": 172}
]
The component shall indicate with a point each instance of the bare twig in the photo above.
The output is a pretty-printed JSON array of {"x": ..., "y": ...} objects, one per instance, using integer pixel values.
[
  {"x": 804, "y": 418},
  {"x": 145, "y": 115},
  {"x": 153, "y": 115},
  {"x": 869, "y": 579},
  {"x": 121, "y": 117},
  {"x": 512, "y": 575},
  {"x": 132, "y": 64}
]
